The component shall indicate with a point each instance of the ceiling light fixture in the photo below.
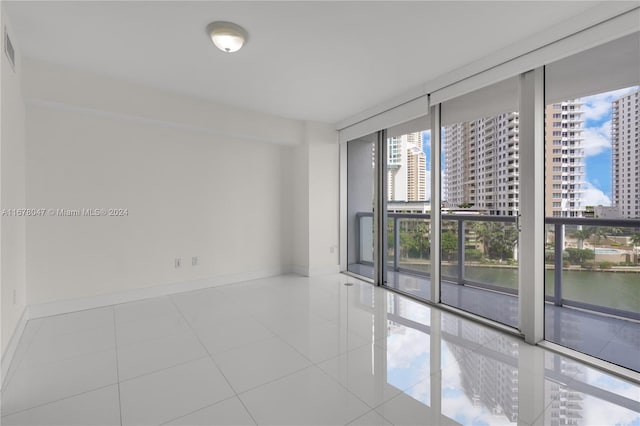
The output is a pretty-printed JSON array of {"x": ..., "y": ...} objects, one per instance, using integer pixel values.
[{"x": 227, "y": 36}]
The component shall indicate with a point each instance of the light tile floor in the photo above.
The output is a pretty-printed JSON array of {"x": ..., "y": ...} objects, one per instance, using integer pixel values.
[{"x": 294, "y": 351}]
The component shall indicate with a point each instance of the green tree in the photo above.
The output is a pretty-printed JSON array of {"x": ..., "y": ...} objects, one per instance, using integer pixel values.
[
  {"x": 498, "y": 239},
  {"x": 421, "y": 240},
  {"x": 581, "y": 235},
  {"x": 597, "y": 234},
  {"x": 483, "y": 233},
  {"x": 449, "y": 245},
  {"x": 579, "y": 256},
  {"x": 406, "y": 243},
  {"x": 635, "y": 242}
]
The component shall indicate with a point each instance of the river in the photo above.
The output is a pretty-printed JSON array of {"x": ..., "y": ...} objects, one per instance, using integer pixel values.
[{"x": 611, "y": 289}]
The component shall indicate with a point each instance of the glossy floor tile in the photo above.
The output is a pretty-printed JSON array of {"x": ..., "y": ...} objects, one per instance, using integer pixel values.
[
  {"x": 97, "y": 407},
  {"x": 228, "y": 412},
  {"x": 306, "y": 397},
  {"x": 613, "y": 339},
  {"x": 258, "y": 363},
  {"x": 305, "y": 351},
  {"x": 171, "y": 393}
]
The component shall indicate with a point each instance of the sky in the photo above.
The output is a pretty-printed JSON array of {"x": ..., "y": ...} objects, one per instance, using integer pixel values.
[
  {"x": 597, "y": 145},
  {"x": 426, "y": 146}
]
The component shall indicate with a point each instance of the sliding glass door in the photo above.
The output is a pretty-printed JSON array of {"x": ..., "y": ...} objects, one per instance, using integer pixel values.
[
  {"x": 592, "y": 202},
  {"x": 479, "y": 210},
  {"x": 361, "y": 157},
  {"x": 407, "y": 181},
  {"x": 567, "y": 212}
]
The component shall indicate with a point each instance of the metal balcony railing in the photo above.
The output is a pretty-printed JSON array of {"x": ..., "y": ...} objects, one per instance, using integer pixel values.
[{"x": 461, "y": 230}]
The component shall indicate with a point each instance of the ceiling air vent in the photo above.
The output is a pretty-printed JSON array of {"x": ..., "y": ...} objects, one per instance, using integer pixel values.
[{"x": 8, "y": 49}]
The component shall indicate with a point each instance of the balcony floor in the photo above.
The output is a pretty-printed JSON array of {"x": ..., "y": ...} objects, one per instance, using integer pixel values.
[{"x": 612, "y": 339}]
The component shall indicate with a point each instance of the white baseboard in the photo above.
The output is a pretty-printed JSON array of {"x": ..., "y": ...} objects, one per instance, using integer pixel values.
[
  {"x": 8, "y": 354},
  {"x": 66, "y": 306}
]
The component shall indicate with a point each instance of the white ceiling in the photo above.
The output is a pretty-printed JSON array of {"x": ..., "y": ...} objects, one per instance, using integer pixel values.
[{"x": 321, "y": 61}]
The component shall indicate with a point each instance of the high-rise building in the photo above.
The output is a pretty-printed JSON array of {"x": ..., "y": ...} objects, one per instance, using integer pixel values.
[
  {"x": 482, "y": 162},
  {"x": 406, "y": 168},
  {"x": 625, "y": 154},
  {"x": 456, "y": 146},
  {"x": 564, "y": 159}
]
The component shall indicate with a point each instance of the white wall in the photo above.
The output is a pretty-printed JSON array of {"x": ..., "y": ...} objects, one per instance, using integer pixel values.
[
  {"x": 12, "y": 194},
  {"x": 315, "y": 175},
  {"x": 249, "y": 194},
  {"x": 324, "y": 190},
  {"x": 299, "y": 166},
  {"x": 213, "y": 188}
]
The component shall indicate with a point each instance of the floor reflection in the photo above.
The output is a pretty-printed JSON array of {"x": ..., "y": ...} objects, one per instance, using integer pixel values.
[
  {"x": 612, "y": 339},
  {"x": 457, "y": 371}
]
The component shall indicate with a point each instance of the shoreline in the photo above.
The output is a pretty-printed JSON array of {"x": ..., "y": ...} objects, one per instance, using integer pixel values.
[{"x": 616, "y": 269}]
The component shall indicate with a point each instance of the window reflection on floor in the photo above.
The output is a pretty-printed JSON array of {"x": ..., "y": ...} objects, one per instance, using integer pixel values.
[{"x": 482, "y": 376}]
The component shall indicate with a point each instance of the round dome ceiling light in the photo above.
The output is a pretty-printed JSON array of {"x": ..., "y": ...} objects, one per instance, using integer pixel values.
[{"x": 227, "y": 36}]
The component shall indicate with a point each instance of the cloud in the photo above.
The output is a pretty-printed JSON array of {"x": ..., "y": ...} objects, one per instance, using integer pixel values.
[
  {"x": 611, "y": 383},
  {"x": 597, "y": 139},
  {"x": 405, "y": 347},
  {"x": 598, "y": 412},
  {"x": 597, "y": 107},
  {"x": 594, "y": 196}
]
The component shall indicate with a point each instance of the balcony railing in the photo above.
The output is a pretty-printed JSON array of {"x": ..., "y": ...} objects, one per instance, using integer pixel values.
[{"x": 455, "y": 270}]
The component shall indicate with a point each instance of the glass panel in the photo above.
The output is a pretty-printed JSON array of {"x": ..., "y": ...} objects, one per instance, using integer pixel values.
[
  {"x": 480, "y": 172},
  {"x": 549, "y": 262},
  {"x": 360, "y": 187},
  {"x": 592, "y": 202},
  {"x": 408, "y": 206}
]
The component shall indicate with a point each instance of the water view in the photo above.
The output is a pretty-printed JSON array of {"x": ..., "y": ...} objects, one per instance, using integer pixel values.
[{"x": 618, "y": 290}]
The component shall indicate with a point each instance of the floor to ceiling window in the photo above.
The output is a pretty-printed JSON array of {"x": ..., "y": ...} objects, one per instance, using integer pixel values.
[
  {"x": 360, "y": 203},
  {"x": 479, "y": 190},
  {"x": 592, "y": 202},
  {"x": 407, "y": 180},
  {"x": 463, "y": 245}
]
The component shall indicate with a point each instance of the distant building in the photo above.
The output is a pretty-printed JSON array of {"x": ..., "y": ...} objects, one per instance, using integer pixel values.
[
  {"x": 406, "y": 168},
  {"x": 625, "y": 155},
  {"x": 564, "y": 159},
  {"x": 481, "y": 160},
  {"x": 482, "y": 163},
  {"x": 423, "y": 207},
  {"x": 606, "y": 212}
]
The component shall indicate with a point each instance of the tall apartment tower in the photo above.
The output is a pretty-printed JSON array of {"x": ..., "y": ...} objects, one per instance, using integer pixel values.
[
  {"x": 416, "y": 168},
  {"x": 406, "y": 168},
  {"x": 564, "y": 159},
  {"x": 481, "y": 160},
  {"x": 625, "y": 155},
  {"x": 456, "y": 145}
]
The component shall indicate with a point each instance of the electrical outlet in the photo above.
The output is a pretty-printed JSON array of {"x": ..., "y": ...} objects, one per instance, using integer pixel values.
[
  {"x": 332, "y": 249},
  {"x": 194, "y": 260},
  {"x": 178, "y": 263}
]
